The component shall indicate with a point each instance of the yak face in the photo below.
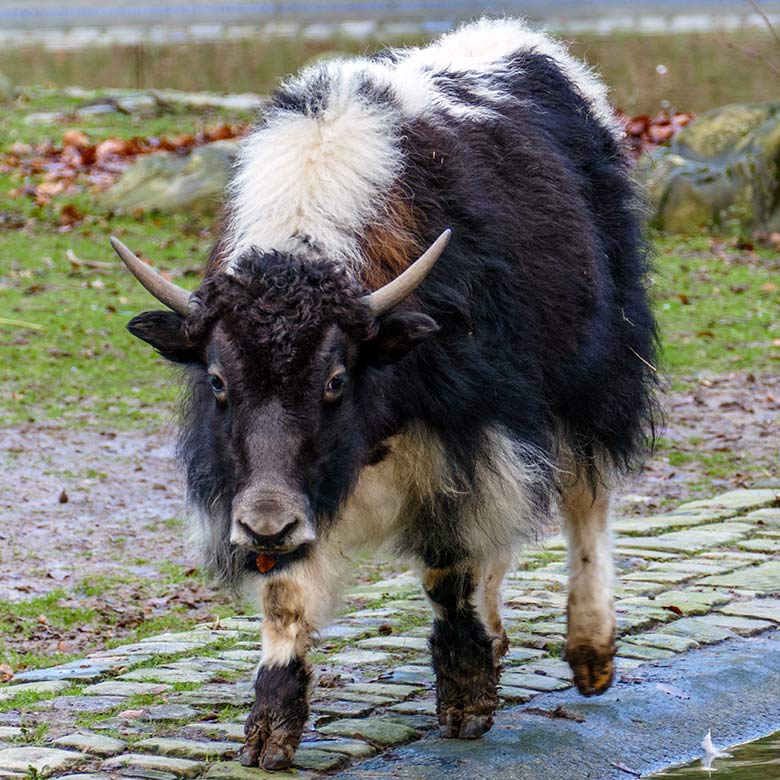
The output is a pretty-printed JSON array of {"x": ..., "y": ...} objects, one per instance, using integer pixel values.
[{"x": 286, "y": 365}]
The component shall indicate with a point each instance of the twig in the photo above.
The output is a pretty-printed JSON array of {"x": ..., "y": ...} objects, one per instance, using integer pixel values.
[
  {"x": 624, "y": 768},
  {"x": 77, "y": 262},
  {"x": 649, "y": 365},
  {"x": 769, "y": 24},
  {"x": 20, "y": 324},
  {"x": 755, "y": 55}
]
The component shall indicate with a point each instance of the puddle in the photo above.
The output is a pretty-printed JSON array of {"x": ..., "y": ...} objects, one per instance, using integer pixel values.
[{"x": 758, "y": 760}]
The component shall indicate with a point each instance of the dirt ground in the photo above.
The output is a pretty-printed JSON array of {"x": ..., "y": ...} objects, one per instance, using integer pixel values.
[{"x": 87, "y": 506}]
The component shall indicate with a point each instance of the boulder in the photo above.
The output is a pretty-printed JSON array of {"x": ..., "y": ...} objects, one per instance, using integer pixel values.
[
  {"x": 174, "y": 183},
  {"x": 721, "y": 172}
]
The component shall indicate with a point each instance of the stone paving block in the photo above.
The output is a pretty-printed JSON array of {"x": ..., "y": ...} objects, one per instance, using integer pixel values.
[
  {"x": 11, "y": 691},
  {"x": 703, "y": 633},
  {"x": 10, "y": 732},
  {"x": 186, "y": 748},
  {"x": 43, "y": 761},
  {"x": 341, "y": 709},
  {"x": 377, "y": 731},
  {"x": 625, "y": 550},
  {"x": 179, "y": 767},
  {"x": 643, "y": 526},
  {"x": 739, "y": 625},
  {"x": 138, "y": 652},
  {"x": 354, "y": 748},
  {"x": 163, "y": 675},
  {"x": 763, "y": 609},
  {"x": 663, "y": 577},
  {"x": 86, "y": 776},
  {"x": 72, "y": 705},
  {"x": 125, "y": 689},
  {"x": 162, "y": 712},
  {"x": 229, "y": 731},
  {"x": 242, "y": 624},
  {"x": 415, "y": 707},
  {"x": 677, "y": 644},
  {"x": 252, "y": 656},
  {"x": 738, "y": 500},
  {"x": 643, "y": 652},
  {"x": 534, "y": 682},
  {"x": 394, "y": 643},
  {"x": 552, "y": 667},
  {"x": 769, "y": 517},
  {"x": 764, "y": 544},
  {"x": 218, "y": 694},
  {"x": 690, "y": 602},
  {"x": 518, "y": 655},
  {"x": 358, "y": 658},
  {"x": 310, "y": 758},
  {"x": 232, "y": 770},
  {"x": 701, "y": 538},
  {"x": 88, "y": 742},
  {"x": 363, "y": 698},
  {"x": 417, "y": 675},
  {"x": 764, "y": 578},
  {"x": 515, "y": 695},
  {"x": 390, "y": 690},
  {"x": 82, "y": 671}
]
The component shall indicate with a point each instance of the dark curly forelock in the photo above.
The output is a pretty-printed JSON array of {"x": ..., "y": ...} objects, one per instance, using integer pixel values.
[{"x": 279, "y": 299}]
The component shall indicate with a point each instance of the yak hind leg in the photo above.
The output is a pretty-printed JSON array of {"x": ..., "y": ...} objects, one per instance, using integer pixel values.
[
  {"x": 590, "y": 643},
  {"x": 296, "y": 602},
  {"x": 467, "y": 642}
]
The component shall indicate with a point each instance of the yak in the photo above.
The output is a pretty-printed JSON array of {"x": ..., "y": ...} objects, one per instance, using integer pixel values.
[{"x": 424, "y": 324}]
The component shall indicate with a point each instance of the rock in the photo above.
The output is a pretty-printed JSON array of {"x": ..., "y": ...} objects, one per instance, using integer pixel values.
[
  {"x": 378, "y": 732},
  {"x": 232, "y": 770},
  {"x": 172, "y": 183},
  {"x": 45, "y": 687},
  {"x": 719, "y": 171},
  {"x": 97, "y": 744},
  {"x": 178, "y": 767},
  {"x": 44, "y": 761}
]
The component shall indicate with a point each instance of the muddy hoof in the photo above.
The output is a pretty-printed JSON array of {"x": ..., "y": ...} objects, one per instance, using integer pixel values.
[
  {"x": 593, "y": 669},
  {"x": 455, "y": 723}
]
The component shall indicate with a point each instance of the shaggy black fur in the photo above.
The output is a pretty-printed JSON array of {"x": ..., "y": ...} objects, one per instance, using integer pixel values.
[
  {"x": 466, "y": 669},
  {"x": 275, "y": 724},
  {"x": 545, "y": 331}
]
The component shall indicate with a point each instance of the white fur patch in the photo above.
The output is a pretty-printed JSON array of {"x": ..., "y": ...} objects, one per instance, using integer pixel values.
[{"x": 310, "y": 181}]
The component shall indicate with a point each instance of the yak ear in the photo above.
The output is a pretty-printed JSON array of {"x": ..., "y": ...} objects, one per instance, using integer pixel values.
[
  {"x": 163, "y": 330},
  {"x": 397, "y": 334}
]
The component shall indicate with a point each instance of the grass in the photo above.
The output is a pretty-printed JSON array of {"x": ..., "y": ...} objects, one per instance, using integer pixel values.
[
  {"x": 717, "y": 306},
  {"x": 702, "y": 69}
]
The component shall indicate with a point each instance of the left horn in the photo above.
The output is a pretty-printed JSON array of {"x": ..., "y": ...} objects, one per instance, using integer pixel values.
[
  {"x": 174, "y": 297},
  {"x": 388, "y": 297}
]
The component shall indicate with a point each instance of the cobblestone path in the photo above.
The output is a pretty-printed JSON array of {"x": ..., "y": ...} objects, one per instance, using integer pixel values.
[{"x": 172, "y": 706}]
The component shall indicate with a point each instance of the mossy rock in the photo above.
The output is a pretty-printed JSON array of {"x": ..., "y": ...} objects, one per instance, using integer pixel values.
[
  {"x": 720, "y": 172},
  {"x": 194, "y": 183}
]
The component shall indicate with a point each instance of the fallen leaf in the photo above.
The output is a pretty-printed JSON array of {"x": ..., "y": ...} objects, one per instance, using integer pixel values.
[{"x": 672, "y": 608}]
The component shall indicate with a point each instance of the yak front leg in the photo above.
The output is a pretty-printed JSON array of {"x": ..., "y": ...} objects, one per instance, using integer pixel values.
[
  {"x": 590, "y": 643},
  {"x": 464, "y": 655},
  {"x": 296, "y": 602}
]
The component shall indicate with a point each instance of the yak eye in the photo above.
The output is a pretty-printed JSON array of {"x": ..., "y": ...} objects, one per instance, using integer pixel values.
[
  {"x": 218, "y": 386},
  {"x": 335, "y": 386}
]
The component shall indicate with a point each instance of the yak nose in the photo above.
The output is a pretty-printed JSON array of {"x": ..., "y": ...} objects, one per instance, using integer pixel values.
[{"x": 268, "y": 523}]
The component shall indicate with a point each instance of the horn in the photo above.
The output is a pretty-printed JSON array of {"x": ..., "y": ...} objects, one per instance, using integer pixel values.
[
  {"x": 386, "y": 298},
  {"x": 174, "y": 297}
]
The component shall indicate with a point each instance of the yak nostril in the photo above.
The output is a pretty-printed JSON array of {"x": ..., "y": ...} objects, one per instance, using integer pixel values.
[{"x": 268, "y": 539}]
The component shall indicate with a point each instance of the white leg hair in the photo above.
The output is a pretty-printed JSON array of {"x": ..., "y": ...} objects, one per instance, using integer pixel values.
[
  {"x": 488, "y": 600},
  {"x": 591, "y": 617},
  {"x": 296, "y": 604}
]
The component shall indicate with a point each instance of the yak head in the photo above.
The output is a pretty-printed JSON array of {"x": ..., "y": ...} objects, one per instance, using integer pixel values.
[{"x": 287, "y": 358}]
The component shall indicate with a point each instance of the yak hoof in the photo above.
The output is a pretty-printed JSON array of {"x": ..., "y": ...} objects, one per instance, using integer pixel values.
[
  {"x": 593, "y": 669},
  {"x": 455, "y": 723}
]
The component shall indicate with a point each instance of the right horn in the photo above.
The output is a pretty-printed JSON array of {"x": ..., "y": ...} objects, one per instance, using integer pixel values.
[
  {"x": 388, "y": 297},
  {"x": 175, "y": 298}
]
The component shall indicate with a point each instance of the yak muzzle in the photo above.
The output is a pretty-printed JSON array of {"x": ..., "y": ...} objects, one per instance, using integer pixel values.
[{"x": 271, "y": 521}]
